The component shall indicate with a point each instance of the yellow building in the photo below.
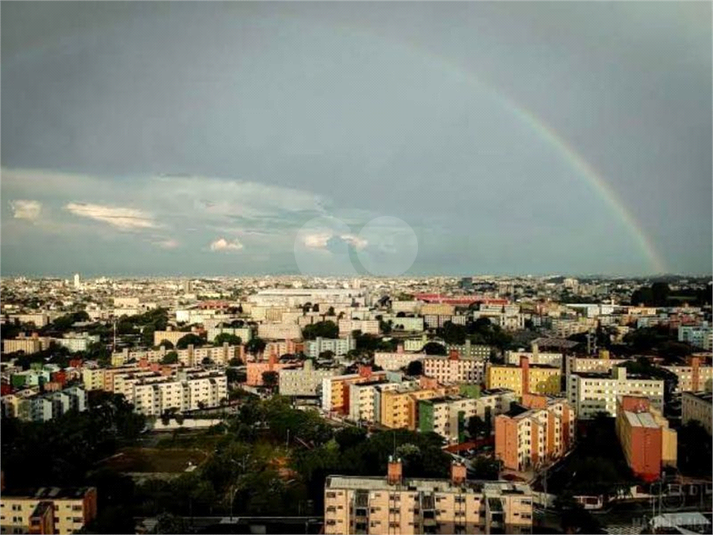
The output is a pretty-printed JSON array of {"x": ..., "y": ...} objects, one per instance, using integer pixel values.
[
  {"x": 48, "y": 510},
  {"x": 525, "y": 378},
  {"x": 399, "y": 408},
  {"x": 93, "y": 378}
]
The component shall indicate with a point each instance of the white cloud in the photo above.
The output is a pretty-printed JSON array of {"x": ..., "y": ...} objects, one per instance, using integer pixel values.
[
  {"x": 320, "y": 240},
  {"x": 167, "y": 244},
  {"x": 121, "y": 218},
  {"x": 22, "y": 209},
  {"x": 221, "y": 244}
]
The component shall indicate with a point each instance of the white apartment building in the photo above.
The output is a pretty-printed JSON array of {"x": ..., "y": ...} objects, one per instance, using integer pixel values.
[
  {"x": 26, "y": 344},
  {"x": 338, "y": 346},
  {"x": 279, "y": 331},
  {"x": 590, "y": 393},
  {"x": 185, "y": 392},
  {"x": 536, "y": 357},
  {"x": 592, "y": 365},
  {"x": 245, "y": 333},
  {"x": 395, "y": 361},
  {"x": 293, "y": 297},
  {"x": 365, "y": 326},
  {"x": 404, "y": 324},
  {"x": 448, "y": 370},
  {"x": 305, "y": 381},
  {"x": 692, "y": 379},
  {"x": 76, "y": 341}
]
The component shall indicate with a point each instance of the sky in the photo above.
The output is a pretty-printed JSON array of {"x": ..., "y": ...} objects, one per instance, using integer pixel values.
[{"x": 341, "y": 138}]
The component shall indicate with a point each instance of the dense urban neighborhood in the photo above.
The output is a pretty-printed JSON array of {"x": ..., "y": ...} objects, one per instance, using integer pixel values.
[{"x": 356, "y": 405}]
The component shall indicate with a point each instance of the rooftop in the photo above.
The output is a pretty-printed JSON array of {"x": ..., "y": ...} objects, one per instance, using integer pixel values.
[{"x": 426, "y": 485}]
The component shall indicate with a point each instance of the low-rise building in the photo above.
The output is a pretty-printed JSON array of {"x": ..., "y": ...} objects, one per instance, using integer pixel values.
[
  {"x": 696, "y": 407},
  {"x": 338, "y": 346},
  {"x": 26, "y": 344},
  {"x": 377, "y": 505},
  {"x": 47, "y": 510},
  {"x": 256, "y": 369},
  {"x": 695, "y": 377},
  {"x": 335, "y": 390},
  {"x": 697, "y": 335},
  {"x": 347, "y": 326},
  {"x": 188, "y": 390},
  {"x": 646, "y": 440},
  {"x": 305, "y": 381},
  {"x": 279, "y": 331},
  {"x": 44, "y": 407},
  {"x": 393, "y": 361}
]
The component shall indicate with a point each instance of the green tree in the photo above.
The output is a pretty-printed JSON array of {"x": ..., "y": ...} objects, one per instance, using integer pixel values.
[
  {"x": 270, "y": 379},
  {"x": 165, "y": 343},
  {"x": 190, "y": 339},
  {"x": 414, "y": 368},
  {"x": 170, "y": 358},
  {"x": 255, "y": 346},
  {"x": 231, "y": 339},
  {"x": 434, "y": 348},
  {"x": 321, "y": 329}
]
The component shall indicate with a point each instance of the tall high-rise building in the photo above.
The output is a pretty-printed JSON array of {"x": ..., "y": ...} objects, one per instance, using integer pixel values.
[{"x": 77, "y": 282}]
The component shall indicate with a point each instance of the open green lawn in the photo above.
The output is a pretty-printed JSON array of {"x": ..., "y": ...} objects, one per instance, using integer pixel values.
[{"x": 150, "y": 460}]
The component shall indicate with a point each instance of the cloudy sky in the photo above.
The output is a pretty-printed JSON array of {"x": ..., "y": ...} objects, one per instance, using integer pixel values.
[{"x": 467, "y": 138}]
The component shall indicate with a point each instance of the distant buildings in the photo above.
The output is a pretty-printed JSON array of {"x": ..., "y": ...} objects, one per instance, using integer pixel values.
[
  {"x": 188, "y": 390},
  {"x": 696, "y": 407},
  {"x": 33, "y": 407},
  {"x": 454, "y": 368},
  {"x": 695, "y": 377},
  {"x": 698, "y": 335},
  {"x": 646, "y": 440},
  {"x": 396, "y": 504},
  {"x": 338, "y": 346},
  {"x": 346, "y": 326}
]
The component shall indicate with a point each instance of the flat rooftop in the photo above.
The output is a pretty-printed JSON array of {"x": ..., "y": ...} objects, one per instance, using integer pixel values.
[
  {"x": 426, "y": 485},
  {"x": 48, "y": 493}
]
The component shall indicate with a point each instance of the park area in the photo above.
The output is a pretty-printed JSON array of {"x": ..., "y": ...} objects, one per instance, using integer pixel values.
[{"x": 154, "y": 460}]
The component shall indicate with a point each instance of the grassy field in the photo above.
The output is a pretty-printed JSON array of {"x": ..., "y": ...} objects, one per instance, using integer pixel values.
[{"x": 150, "y": 460}]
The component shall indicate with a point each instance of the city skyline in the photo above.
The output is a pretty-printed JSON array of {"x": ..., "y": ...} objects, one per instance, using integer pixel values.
[{"x": 515, "y": 139}]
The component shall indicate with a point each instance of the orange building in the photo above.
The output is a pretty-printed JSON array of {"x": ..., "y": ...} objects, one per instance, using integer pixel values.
[
  {"x": 645, "y": 438},
  {"x": 256, "y": 369},
  {"x": 539, "y": 431}
]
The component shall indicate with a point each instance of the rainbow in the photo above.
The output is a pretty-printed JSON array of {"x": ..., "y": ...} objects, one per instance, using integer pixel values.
[{"x": 545, "y": 132}]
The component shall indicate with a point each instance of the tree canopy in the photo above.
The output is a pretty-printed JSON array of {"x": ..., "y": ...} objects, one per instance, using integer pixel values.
[{"x": 321, "y": 329}]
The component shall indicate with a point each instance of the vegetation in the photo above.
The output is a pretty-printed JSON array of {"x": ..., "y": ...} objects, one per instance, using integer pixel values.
[
  {"x": 231, "y": 339},
  {"x": 190, "y": 339},
  {"x": 414, "y": 368},
  {"x": 255, "y": 345},
  {"x": 321, "y": 329},
  {"x": 170, "y": 358},
  {"x": 434, "y": 348}
]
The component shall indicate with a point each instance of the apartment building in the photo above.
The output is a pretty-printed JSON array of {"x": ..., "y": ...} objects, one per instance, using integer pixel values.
[
  {"x": 393, "y": 361},
  {"x": 435, "y": 321},
  {"x": 408, "y": 324},
  {"x": 695, "y": 377},
  {"x": 188, "y": 390},
  {"x": 590, "y": 393},
  {"x": 398, "y": 505},
  {"x": 448, "y": 416},
  {"x": 697, "y": 335},
  {"x": 365, "y": 400},
  {"x": 454, "y": 368},
  {"x": 525, "y": 378},
  {"x": 399, "y": 407},
  {"x": 255, "y": 370},
  {"x": 538, "y": 431},
  {"x": 646, "y": 440},
  {"x": 245, "y": 333},
  {"x": 470, "y": 350},
  {"x": 347, "y": 326},
  {"x": 338, "y": 346},
  {"x": 293, "y": 297},
  {"x": 335, "y": 390},
  {"x": 47, "y": 510},
  {"x": 696, "y": 406},
  {"x": 305, "y": 381},
  {"x": 93, "y": 378},
  {"x": 33, "y": 407},
  {"x": 603, "y": 364},
  {"x": 535, "y": 357},
  {"x": 437, "y": 309},
  {"x": 170, "y": 336},
  {"x": 279, "y": 331},
  {"x": 26, "y": 344},
  {"x": 77, "y": 341}
]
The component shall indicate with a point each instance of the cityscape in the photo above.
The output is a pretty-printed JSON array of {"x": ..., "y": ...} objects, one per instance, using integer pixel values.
[{"x": 356, "y": 268}]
